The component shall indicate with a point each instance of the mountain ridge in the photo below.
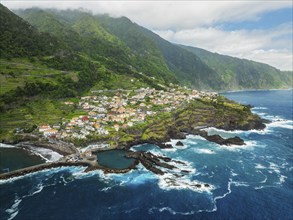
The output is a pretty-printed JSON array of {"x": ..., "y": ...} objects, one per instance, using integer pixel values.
[{"x": 124, "y": 46}]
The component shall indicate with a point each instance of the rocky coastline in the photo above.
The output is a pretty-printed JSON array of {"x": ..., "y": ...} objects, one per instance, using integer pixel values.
[{"x": 176, "y": 127}]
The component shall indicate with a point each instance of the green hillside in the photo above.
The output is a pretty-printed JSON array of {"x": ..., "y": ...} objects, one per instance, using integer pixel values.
[
  {"x": 238, "y": 73},
  {"x": 97, "y": 43},
  {"x": 122, "y": 46},
  {"x": 20, "y": 39},
  {"x": 38, "y": 71},
  {"x": 56, "y": 56},
  {"x": 188, "y": 68}
]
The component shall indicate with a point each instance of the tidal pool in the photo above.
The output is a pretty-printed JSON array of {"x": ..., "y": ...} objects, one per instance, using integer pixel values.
[{"x": 114, "y": 159}]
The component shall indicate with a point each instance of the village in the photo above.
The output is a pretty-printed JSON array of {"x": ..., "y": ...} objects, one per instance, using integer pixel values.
[{"x": 105, "y": 114}]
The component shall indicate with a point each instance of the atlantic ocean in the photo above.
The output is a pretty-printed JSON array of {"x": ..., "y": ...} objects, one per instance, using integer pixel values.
[{"x": 253, "y": 181}]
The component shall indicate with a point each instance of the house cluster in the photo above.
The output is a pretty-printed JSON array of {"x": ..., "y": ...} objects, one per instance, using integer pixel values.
[{"x": 106, "y": 114}]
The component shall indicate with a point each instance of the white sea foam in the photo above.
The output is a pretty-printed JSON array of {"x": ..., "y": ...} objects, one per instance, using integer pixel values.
[
  {"x": 7, "y": 146},
  {"x": 46, "y": 172},
  {"x": 265, "y": 186},
  {"x": 47, "y": 154},
  {"x": 229, "y": 191},
  {"x": 259, "y": 166},
  {"x": 13, "y": 210},
  {"x": 249, "y": 145},
  {"x": 195, "y": 137},
  {"x": 80, "y": 174},
  {"x": 282, "y": 178},
  {"x": 287, "y": 124},
  {"x": 259, "y": 108},
  {"x": 170, "y": 182},
  {"x": 204, "y": 151},
  {"x": 170, "y": 149},
  {"x": 228, "y": 134},
  {"x": 170, "y": 210},
  {"x": 274, "y": 167},
  {"x": 276, "y": 121},
  {"x": 265, "y": 180},
  {"x": 233, "y": 173}
]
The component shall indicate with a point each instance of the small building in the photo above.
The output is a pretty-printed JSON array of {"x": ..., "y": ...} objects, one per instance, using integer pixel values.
[
  {"x": 116, "y": 127},
  {"x": 50, "y": 132},
  {"x": 44, "y": 128},
  {"x": 85, "y": 118},
  {"x": 130, "y": 123}
]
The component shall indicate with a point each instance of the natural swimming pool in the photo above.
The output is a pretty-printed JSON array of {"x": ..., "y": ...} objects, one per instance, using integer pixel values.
[{"x": 114, "y": 159}]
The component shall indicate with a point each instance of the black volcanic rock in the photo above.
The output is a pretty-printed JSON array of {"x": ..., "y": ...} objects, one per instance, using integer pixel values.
[
  {"x": 234, "y": 141},
  {"x": 151, "y": 161},
  {"x": 219, "y": 140},
  {"x": 179, "y": 143}
]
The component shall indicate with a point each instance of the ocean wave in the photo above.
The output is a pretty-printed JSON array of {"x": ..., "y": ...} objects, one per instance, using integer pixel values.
[
  {"x": 204, "y": 151},
  {"x": 249, "y": 145},
  {"x": 7, "y": 146},
  {"x": 259, "y": 166},
  {"x": 195, "y": 137},
  {"x": 229, "y": 191},
  {"x": 170, "y": 210},
  {"x": 265, "y": 186},
  {"x": 229, "y": 134},
  {"x": 47, "y": 154},
  {"x": 282, "y": 178},
  {"x": 14, "y": 209},
  {"x": 274, "y": 167},
  {"x": 276, "y": 121},
  {"x": 135, "y": 177},
  {"x": 259, "y": 108},
  {"x": 41, "y": 173},
  {"x": 172, "y": 182},
  {"x": 281, "y": 123}
]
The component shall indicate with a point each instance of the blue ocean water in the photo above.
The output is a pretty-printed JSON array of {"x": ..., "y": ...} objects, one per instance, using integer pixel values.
[{"x": 246, "y": 182}]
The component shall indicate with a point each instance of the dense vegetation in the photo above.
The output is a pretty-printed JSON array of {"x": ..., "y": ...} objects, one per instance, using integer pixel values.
[
  {"x": 122, "y": 43},
  {"x": 238, "y": 73},
  {"x": 18, "y": 38},
  {"x": 47, "y": 56}
]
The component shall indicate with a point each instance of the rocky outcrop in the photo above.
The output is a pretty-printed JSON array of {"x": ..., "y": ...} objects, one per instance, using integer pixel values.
[
  {"x": 219, "y": 140},
  {"x": 151, "y": 161},
  {"x": 257, "y": 124},
  {"x": 179, "y": 143}
]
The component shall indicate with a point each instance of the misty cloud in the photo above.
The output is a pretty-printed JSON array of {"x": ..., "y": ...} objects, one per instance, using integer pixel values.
[{"x": 197, "y": 23}]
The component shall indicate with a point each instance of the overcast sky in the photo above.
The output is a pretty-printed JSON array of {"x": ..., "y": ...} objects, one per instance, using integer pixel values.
[{"x": 256, "y": 30}]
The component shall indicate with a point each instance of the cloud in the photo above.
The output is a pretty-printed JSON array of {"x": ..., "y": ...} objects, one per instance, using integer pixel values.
[
  {"x": 173, "y": 15},
  {"x": 198, "y": 23},
  {"x": 272, "y": 46}
]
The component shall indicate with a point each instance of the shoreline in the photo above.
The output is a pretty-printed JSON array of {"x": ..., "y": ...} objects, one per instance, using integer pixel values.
[
  {"x": 189, "y": 120},
  {"x": 252, "y": 90},
  {"x": 149, "y": 161}
]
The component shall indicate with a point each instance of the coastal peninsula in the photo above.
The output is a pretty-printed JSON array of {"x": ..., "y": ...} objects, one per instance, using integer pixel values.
[{"x": 128, "y": 118}]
